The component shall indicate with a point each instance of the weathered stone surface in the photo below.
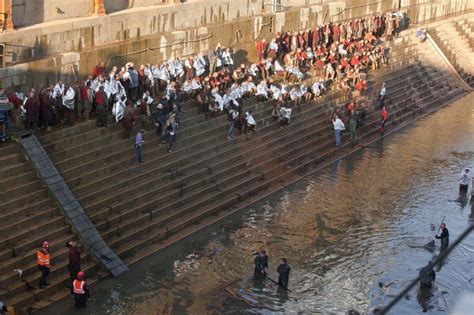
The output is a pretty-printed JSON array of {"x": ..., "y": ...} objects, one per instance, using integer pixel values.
[{"x": 70, "y": 208}]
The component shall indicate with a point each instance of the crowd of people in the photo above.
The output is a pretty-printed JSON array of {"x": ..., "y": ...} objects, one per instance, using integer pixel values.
[{"x": 292, "y": 68}]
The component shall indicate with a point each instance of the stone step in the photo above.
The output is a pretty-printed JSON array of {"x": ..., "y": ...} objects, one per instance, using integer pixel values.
[
  {"x": 183, "y": 220},
  {"x": 11, "y": 181},
  {"x": 104, "y": 192},
  {"x": 131, "y": 152}
]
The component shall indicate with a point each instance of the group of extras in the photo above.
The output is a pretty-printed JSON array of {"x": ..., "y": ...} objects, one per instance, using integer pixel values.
[{"x": 336, "y": 55}]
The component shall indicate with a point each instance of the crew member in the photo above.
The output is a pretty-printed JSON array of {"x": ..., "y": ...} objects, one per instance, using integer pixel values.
[
  {"x": 444, "y": 237},
  {"x": 261, "y": 264},
  {"x": 80, "y": 291},
  {"x": 427, "y": 281},
  {"x": 283, "y": 273},
  {"x": 43, "y": 258}
]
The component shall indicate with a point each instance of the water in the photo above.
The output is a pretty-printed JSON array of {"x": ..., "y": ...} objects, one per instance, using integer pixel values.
[{"x": 352, "y": 234}]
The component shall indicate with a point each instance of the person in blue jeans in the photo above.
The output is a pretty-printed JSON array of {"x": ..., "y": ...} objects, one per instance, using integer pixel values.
[
  {"x": 138, "y": 146},
  {"x": 338, "y": 129}
]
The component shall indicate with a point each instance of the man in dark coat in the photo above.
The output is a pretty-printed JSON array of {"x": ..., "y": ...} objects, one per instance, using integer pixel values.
[
  {"x": 101, "y": 107},
  {"x": 46, "y": 109},
  {"x": 74, "y": 259},
  {"x": 427, "y": 281},
  {"x": 283, "y": 273},
  {"x": 261, "y": 264},
  {"x": 444, "y": 237},
  {"x": 32, "y": 107}
]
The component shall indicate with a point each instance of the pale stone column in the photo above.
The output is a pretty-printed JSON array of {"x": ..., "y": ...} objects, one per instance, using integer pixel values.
[{"x": 6, "y": 15}]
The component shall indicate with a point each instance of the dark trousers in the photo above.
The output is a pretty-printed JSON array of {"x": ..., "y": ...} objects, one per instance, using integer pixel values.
[
  {"x": 132, "y": 93},
  {"x": 68, "y": 116},
  {"x": 382, "y": 127},
  {"x": 138, "y": 153},
  {"x": 463, "y": 187},
  {"x": 32, "y": 126},
  {"x": 73, "y": 270},
  {"x": 283, "y": 282},
  {"x": 80, "y": 300},
  {"x": 44, "y": 275},
  {"x": 101, "y": 116}
]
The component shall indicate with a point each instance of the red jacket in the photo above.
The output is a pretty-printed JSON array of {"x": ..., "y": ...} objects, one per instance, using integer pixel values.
[
  {"x": 384, "y": 115},
  {"x": 100, "y": 98}
]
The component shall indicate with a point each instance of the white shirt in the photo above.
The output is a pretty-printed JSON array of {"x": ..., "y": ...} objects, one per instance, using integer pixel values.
[
  {"x": 338, "y": 124},
  {"x": 465, "y": 178},
  {"x": 250, "y": 119}
]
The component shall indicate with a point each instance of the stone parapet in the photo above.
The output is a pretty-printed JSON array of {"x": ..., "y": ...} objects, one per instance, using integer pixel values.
[{"x": 70, "y": 208}]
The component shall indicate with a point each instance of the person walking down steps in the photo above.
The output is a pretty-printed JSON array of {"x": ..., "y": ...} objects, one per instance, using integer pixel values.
[{"x": 139, "y": 140}]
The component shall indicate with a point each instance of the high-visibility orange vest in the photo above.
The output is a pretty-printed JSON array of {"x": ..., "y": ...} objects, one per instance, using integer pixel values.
[
  {"x": 42, "y": 256},
  {"x": 78, "y": 286}
]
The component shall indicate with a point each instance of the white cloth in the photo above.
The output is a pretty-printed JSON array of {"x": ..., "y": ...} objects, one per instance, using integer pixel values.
[
  {"x": 338, "y": 124},
  {"x": 250, "y": 120},
  {"x": 68, "y": 99},
  {"x": 187, "y": 87},
  {"x": 316, "y": 89},
  {"x": 119, "y": 109},
  {"x": 200, "y": 65},
  {"x": 262, "y": 89},
  {"x": 285, "y": 113},
  {"x": 248, "y": 86},
  {"x": 465, "y": 177},
  {"x": 276, "y": 92},
  {"x": 278, "y": 66},
  {"x": 58, "y": 90}
]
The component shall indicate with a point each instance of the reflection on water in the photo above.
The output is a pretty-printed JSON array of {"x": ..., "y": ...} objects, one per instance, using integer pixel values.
[{"x": 353, "y": 235}]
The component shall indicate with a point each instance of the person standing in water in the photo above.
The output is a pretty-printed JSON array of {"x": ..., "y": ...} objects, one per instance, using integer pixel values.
[
  {"x": 261, "y": 265},
  {"x": 464, "y": 179},
  {"x": 427, "y": 281},
  {"x": 283, "y": 273},
  {"x": 444, "y": 237}
]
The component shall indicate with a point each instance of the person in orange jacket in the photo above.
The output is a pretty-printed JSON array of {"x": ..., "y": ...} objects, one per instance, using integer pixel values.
[
  {"x": 43, "y": 258},
  {"x": 80, "y": 291}
]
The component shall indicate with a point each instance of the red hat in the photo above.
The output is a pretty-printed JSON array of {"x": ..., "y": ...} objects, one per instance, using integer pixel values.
[{"x": 80, "y": 275}]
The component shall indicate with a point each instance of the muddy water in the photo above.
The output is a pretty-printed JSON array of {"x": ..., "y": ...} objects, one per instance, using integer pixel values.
[{"x": 352, "y": 234}]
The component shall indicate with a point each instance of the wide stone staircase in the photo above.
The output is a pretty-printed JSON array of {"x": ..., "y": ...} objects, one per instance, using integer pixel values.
[
  {"x": 139, "y": 210},
  {"x": 456, "y": 40},
  {"x": 29, "y": 216}
]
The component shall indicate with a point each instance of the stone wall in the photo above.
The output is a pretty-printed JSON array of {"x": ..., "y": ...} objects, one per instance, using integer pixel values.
[
  {"x": 151, "y": 33},
  {"x": 30, "y": 12}
]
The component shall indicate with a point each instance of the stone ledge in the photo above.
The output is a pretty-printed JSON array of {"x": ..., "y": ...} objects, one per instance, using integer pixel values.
[{"x": 70, "y": 207}]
